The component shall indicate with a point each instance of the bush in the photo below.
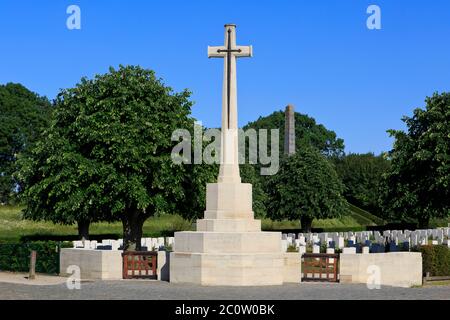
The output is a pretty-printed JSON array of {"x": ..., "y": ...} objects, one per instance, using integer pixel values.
[
  {"x": 16, "y": 256},
  {"x": 435, "y": 260}
]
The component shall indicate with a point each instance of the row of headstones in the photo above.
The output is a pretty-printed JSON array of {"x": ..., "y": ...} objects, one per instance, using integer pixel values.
[
  {"x": 374, "y": 241},
  {"x": 147, "y": 244}
]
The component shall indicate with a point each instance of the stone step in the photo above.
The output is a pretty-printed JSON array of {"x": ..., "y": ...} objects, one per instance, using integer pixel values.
[
  {"x": 229, "y": 225},
  {"x": 227, "y": 242},
  {"x": 229, "y": 214},
  {"x": 227, "y": 269}
]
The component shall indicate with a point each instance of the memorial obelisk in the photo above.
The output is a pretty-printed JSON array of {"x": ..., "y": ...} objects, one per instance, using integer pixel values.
[{"x": 228, "y": 247}]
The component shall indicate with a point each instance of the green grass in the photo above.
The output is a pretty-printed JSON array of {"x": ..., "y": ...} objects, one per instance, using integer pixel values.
[
  {"x": 436, "y": 223},
  {"x": 438, "y": 283},
  {"x": 13, "y": 227},
  {"x": 365, "y": 218}
]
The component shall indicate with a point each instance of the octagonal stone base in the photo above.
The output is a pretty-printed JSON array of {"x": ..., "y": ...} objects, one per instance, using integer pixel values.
[
  {"x": 228, "y": 248},
  {"x": 212, "y": 269}
]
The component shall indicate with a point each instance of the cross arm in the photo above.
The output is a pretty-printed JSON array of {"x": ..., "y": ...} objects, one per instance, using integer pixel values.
[
  {"x": 238, "y": 51},
  {"x": 245, "y": 51},
  {"x": 214, "y": 52}
]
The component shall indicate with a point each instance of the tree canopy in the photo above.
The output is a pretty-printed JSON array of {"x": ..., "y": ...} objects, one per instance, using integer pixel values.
[
  {"x": 361, "y": 175},
  {"x": 107, "y": 153},
  {"x": 307, "y": 133},
  {"x": 305, "y": 188},
  {"x": 23, "y": 115},
  {"x": 417, "y": 186}
]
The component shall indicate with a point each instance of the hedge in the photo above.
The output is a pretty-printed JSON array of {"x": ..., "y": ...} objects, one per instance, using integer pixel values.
[
  {"x": 16, "y": 256},
  {"x": 435, "y": 260}
]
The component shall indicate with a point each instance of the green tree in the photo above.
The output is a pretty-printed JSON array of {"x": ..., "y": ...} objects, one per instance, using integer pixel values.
[
  {"x": 307, "y": 133},
  {"x": 417, "y": 186},
  {"x": 23, "y": 115},
  {"x": 305, "y": 188},
  {"x": 107, "y": 153},
  {"x": 250, "y": 174},
  {"x": 361, "y": 175}
]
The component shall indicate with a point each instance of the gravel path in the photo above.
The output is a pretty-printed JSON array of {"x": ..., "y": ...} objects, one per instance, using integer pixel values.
[{"x": 155, "y": 290}]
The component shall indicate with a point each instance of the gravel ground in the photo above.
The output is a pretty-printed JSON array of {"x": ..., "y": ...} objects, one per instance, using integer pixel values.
[{"x": 155, "y": 290}]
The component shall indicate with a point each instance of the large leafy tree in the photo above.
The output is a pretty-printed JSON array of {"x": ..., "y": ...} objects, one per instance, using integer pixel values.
[
  {"x": 361, "y": 175},
  {"x": 250, "y": 174},
  {"x": 23, "y": 115},
  {"x": 307, "y": 133},
  {"x": 305, "y": 188},
  {"x": 107, "y": 153},
  {"x": 417, "y": 186}
]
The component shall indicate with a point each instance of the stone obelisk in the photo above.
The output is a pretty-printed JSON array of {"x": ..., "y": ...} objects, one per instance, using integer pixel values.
[
  {"x": 228, "y": 247},
  {"x": 289, "y": 130}
]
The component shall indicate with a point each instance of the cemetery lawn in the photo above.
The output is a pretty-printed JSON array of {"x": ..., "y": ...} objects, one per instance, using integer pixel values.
[
  {"x": 438, "y": 283},
  {"x": 13, "y": 227}
]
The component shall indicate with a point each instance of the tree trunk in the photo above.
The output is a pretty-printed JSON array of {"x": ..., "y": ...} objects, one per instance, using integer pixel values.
[
  {"x": 132, "y": 232},
  {"x": 306, "y": 223},
  {"x": 424, "y": 222},
  {"x": 83, "y": 229}
]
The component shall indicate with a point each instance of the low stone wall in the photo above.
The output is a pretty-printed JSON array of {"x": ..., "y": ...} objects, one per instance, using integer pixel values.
[
  {"x": 93, "y": 264},
  {"x": 292, "y": 268},
  {"x": 398, "y": 269},
  {"x": 104, "y": 264}
]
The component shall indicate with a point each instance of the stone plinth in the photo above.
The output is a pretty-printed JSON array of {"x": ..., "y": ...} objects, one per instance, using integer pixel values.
[
  {"x": 228, "y": 247},
  {"x": 227, "y": 269}
]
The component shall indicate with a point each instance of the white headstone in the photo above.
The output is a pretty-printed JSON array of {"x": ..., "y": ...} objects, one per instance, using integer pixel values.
[
  {"x": 284, "y": 245},
  {"x": 115, "y": 245},
  {"x": 302, "y": 240},
  {"x": 77, "y": 244},
  {"x": 302, "y": 249},
  {"x": 93, "y": 244}
]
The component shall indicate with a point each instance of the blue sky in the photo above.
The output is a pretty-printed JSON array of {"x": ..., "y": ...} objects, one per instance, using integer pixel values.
[{"x": 317, "y": 55}]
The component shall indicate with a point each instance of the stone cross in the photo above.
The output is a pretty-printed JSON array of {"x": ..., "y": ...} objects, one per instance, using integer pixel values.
[
  {"x": 289, "y": 130},
  {"x": 229, "y": 166}
]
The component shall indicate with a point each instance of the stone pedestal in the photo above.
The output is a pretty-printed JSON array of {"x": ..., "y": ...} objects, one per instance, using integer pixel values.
[{"x": 228, "y": 247}]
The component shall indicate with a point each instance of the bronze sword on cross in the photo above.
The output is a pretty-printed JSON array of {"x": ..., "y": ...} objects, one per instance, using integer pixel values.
[{"x": 230, "y": 51}]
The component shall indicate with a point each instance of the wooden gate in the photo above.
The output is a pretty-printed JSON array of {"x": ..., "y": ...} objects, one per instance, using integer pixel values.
[
  {"x": 320, "y": 267},
  {"x": 139, "y": 264}
]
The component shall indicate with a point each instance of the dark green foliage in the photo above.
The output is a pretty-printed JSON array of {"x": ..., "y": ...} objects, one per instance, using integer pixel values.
[
  {"x": 23, "y": 116},
  {"x": 192, "y": 205},
  {"x": 307, "y": 133},
  {"x": 361, "y": 175},
  {"x": 16, "y": 256},
  {"x": 107, "y": 153},
  {"x": 417, "y": 186},
  {"x": 306, "y": 187},
  {"x": 436, "y": 260},
  {"x": 250, "y": 174},
  {"x": 363, "y": 217}
]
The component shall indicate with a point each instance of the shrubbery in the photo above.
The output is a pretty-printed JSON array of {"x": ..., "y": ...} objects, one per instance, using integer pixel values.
[
  {"x": 16, "y": 256},
  {"x": 435, "y": 260}
]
